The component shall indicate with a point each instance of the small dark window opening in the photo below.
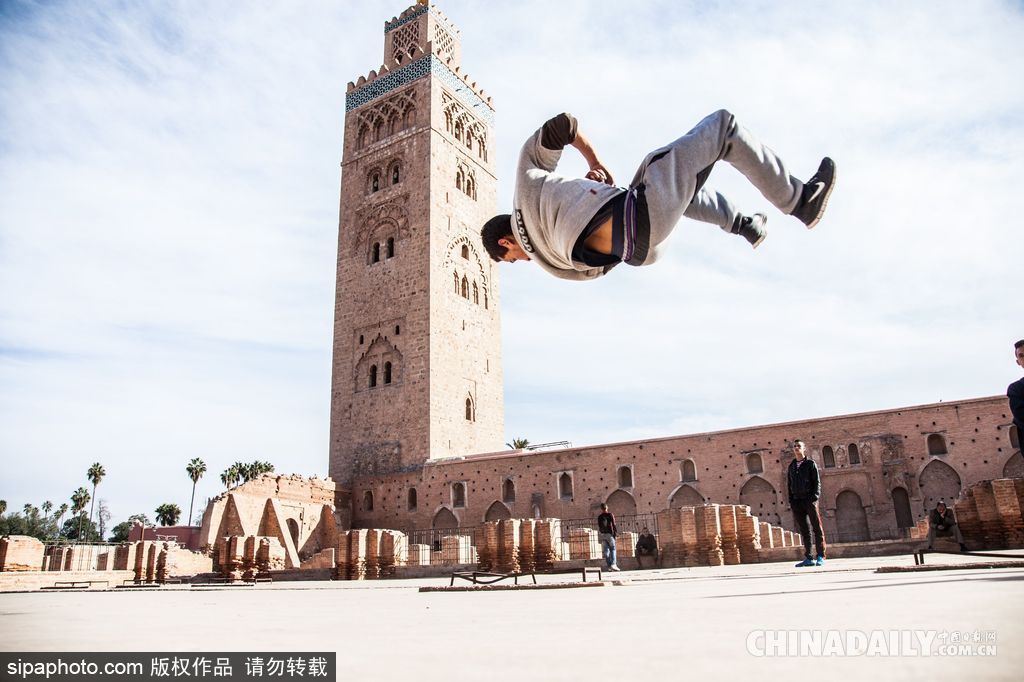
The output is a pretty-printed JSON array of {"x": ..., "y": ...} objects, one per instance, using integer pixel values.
[
  {"x": 936, "y": 445},
  {"x": 375, "y": 183},
  {"x": 565, "y": 486},
  {"x": 754, "y": 465},
  {"x": 368, "y": 501},
  {"x": 387, "y": 372},
  {"x": 412, "y": 499},
  {"x": 376, "y": 253},
  {"x": 395, "y": 175},
  {"x": 391, "y": 247},
  {"x": 828, "y": 457},
  {"x": 373, "y": 375},
  {"x": 508, "y": 491},
  {"x": 458, "y": 495},
  {"x": 465, "y": 252},
  {"x": 854, "y": 453},
  {"x": 398, "y": 330},
  {"x": 689, "y": 471}
]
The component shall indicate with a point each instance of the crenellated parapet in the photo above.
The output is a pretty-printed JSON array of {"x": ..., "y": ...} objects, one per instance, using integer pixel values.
[
  {"x": 420, "y": 41},
  {"x": 380, "y": 82}
]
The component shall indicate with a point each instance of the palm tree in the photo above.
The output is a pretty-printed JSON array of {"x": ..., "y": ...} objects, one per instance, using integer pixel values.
[
  {"x": 47, "y": 506},
  {"x": 243, "y": 472},
  {"x": 258, "y": 468},
  {"x": 79, "y": 499},
  {"x": 96, "y": 473},
  {"x": 231, "y": 476},
  {"x": 195, "y": 470},
  {"x": 518, "y": 444},
  {"x": 61, "y": 511},
  {"x": 167, "y": 514}
]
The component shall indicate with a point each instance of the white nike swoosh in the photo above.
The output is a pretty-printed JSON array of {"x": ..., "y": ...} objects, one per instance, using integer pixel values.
[{"x": 818, "y": 190}]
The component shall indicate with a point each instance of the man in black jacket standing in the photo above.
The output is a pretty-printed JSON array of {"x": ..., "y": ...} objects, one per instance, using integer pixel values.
[
  {"x": 1015, "y": 392},
  {"x": 804, "y": 490}
]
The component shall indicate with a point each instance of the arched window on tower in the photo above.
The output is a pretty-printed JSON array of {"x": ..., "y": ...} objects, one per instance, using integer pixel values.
[
  {"x": 508, "y": 491},
  {"x": 483, "y": 149},
  {"x": 465, "y": 251},
  {"x": 470, "y": 412},
  {"x": 373, "y": 376},
  {"x": 378, "y": 130},
  {"x": 458, "y": 180},
  {"x": 409, "y": 120},
  {"x": 625, "y": 477},
  {"x": 456, "y": 276},
  {"x": 375, "y": 182},
  {"x": 470, "y": 188},
  {"x": 458, "y": 131},
  {"x": 464, "y": 289},
  {"x": 375, "y": 258},
  {"x": 448, "y": 121},
  {"x": 476, "y": 294},
  {"x": 828, "y": 457},
  {"x": 854, "y": 453},
  {"x": 391, "y": 247},
  {"x": 387, "y": 372},
  {"x": 396, "y": 174}
]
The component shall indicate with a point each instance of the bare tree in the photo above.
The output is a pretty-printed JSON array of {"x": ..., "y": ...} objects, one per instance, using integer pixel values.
[{"x": 102, "y": 518}]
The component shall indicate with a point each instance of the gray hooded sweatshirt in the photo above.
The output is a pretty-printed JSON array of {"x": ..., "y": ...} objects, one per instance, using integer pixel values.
[{"x": 551, "y": 211}]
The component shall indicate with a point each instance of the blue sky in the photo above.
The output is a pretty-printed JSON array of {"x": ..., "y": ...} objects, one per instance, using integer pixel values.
[{"x": 168, "y": 221}]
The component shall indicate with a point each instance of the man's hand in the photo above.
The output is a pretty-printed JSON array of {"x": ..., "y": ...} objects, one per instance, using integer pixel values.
[{"x": 598, "y": 173}]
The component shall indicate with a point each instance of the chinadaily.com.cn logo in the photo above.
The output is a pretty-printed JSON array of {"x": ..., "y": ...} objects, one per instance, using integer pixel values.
[{"x": 778, "y": 643}]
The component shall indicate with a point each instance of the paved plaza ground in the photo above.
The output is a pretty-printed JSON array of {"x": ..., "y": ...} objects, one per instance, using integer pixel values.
[{"x": 676, "y": 623}]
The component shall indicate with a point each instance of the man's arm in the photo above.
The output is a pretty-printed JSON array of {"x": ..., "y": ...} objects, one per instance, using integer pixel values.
[
  {"x": 1015, "y": 393},
  {"x": 815, "y": 480},
  {"x": 597, "y": 171}
]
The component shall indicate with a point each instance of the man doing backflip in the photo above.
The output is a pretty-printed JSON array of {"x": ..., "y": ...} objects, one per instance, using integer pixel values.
[{"x": 580, "y": 228}]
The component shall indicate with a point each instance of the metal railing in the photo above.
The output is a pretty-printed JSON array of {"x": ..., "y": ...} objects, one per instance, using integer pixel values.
[{"x": 64, "y": 555}]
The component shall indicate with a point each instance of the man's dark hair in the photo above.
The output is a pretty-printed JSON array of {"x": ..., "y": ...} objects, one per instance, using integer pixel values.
[
  {"x": 498, "y": 227},
  {"x": 1018, "y": 344}
]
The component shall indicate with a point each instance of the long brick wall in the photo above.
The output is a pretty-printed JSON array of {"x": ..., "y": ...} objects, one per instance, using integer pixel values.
[{"x": 881, "y": 472}]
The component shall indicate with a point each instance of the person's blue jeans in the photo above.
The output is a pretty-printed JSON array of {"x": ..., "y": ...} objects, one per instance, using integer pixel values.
[{"x": 608, "y": 548}]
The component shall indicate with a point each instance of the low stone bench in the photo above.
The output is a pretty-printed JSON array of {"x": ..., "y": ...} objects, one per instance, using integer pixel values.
[
  {"x": 488, "y": 578},
  {"x": 75, "y": 584}
]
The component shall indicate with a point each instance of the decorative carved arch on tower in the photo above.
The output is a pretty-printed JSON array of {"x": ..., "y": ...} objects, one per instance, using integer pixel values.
[
  {"x": 379, "y": 222},
  {"x": 386, "y": 117},
  {"x": 458, "y": 263},
  {"x": 386, "y": 358}
]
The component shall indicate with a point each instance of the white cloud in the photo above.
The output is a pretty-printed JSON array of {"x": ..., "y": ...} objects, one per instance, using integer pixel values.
[{"x": 169, "y": 179}]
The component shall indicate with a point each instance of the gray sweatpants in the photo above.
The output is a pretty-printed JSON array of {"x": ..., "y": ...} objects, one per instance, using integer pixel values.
[{"x": 672, "y": 174}]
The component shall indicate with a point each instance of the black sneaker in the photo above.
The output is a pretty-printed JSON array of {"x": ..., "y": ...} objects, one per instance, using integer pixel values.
[
  {"x": 816, "y": 193},
  {"x": 751, "y": 228}
]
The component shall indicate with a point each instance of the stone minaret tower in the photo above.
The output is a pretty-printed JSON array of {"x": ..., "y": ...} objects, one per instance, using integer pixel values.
[{"x": 417, "y": 332}]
